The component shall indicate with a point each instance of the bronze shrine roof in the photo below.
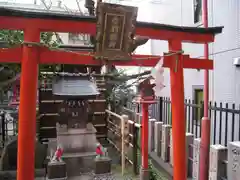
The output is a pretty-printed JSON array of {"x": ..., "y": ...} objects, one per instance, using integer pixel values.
[{"x": 74, "y": 84}]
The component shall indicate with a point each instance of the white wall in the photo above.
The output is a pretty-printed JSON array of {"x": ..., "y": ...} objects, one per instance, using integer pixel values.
[
  {"x": 143, "y": 15},
  {"x": 225, "y": 82},
  {"x": 177, "y": 13}
]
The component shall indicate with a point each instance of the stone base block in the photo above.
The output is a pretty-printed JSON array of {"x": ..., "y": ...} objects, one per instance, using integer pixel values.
[
  {"x": 56, "y": 170},
  {"x": 77, "y": 140},
  {"x": 102, "y": 165},
  {"x": 233, "y": 167},
  {"x": 144, "y": 174},
  {"x": 78, "y": 163}
]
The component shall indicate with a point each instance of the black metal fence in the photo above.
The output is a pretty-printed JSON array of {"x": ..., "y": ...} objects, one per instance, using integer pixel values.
[
  {"x": 225, "y": 118},
  {"x": 8, "y": 125}
]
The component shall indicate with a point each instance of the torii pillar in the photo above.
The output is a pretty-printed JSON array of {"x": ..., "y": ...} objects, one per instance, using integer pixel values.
[
  {"x": 176, "y": 62},
  {"x": 178, "y": 117},
  {"x": 27, "y": 108}
]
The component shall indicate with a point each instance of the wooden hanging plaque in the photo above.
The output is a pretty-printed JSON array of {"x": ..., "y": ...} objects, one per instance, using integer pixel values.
[{"x": 115, "y": 30}]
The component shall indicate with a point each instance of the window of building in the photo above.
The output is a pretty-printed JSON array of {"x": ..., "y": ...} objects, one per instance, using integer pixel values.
[
  {"x": 79, "y": 39},
  {"x": 197, "y": 11},
  {"x": 198, "y": 98}
]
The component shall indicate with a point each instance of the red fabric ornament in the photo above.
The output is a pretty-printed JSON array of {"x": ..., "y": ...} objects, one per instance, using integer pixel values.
[
  {"x": 59, "y": 153},
  {"x": 99, "y": 151}
]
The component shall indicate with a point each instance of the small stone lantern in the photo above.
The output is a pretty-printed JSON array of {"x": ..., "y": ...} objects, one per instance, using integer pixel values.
[
  {"x": 145, "y": 90},
  {"x": 146, "y": 97}
]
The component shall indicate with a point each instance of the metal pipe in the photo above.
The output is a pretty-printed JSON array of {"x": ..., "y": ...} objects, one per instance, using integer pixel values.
[
  {"x": 205, "y": 130},
  {"x": 144, "y": 174}
]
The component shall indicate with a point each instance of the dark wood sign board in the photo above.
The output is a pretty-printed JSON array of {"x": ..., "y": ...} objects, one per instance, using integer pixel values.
[
  {"x": 72, "y": 113},
  {"x": 115, "y": 30}
]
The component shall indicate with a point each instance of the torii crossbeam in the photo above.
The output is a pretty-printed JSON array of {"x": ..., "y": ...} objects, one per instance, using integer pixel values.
[{"x": 30, "y": 56}]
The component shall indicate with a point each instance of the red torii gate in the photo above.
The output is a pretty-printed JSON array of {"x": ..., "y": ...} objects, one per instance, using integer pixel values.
[{"x": 30, "y": 55}]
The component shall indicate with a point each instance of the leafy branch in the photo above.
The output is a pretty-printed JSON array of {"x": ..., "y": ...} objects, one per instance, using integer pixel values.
[{"x": 9, "y": 72}]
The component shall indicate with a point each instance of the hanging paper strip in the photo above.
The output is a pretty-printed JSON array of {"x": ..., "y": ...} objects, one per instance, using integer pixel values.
[{"x": 157, "y": 74}]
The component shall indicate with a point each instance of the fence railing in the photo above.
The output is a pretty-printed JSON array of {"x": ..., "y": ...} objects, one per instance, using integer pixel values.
[
  {"x": 123, "y": 136},
  {"x": 224, "y": 160},
  {"x": 225, "y": 118}
]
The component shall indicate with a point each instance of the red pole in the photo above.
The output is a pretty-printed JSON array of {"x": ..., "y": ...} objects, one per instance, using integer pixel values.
[
  {"x": 145, "y": 135},
  {"x": 144, "y": 171},
  {"x": 178, "y": 117},
  {"x": 27, "y": 113},
  {"x": 205, "y": 130},
  {"x": 206, "y": 56}
]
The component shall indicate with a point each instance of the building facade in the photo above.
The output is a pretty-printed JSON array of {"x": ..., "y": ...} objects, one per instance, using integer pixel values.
[
  {"x": 224, "y": 83},
  {"x": 56, "y": 7}
]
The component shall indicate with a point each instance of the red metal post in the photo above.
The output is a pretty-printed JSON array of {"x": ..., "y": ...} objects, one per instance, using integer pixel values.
[
  {"x": 27, "y": 113},
  {"x": 144, "y": 174},
  {"x": 145, "y": 136},
  {"x": 206, "y": 124},
  {"x": 206, "y": 55},
  {"x": 178, "y": 117}
]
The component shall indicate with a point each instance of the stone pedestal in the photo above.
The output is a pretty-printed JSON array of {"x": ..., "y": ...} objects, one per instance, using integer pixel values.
[
  {"x": 196, "y": 153},
  {"x": 217, "y": 168},
  {"x": 77, "y": 140},
  {"x": 78, "y": 163},
  {"x": 78, "y": 148},
  {"x": 144, "y": 174},
  {"x": 158, "y": 137},
  {"x": 56, "y": 170},
  {"x": 233, "y": 169},
  {"x": 102, "y": 165},
  {"x": 165, "y": 142},
  {"x": 189, "y": 153}
]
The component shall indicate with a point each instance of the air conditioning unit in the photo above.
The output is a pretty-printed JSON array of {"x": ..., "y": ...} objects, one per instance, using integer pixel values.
[{"x": 236, "y": 61}]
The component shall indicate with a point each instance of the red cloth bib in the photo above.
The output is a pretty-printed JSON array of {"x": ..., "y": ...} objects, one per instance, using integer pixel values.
[{"x": 99, "y": 151}]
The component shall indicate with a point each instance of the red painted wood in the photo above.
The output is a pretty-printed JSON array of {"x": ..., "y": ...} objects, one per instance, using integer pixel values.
[
  {"x": 27, "y": 109},
  {"x": 144, "y": 136},
  {"x": 19, "y": 23},
  {"x": 178, "y": 116},
  {"x": 61, "y": 57},
  {"x": 206, "y": 123},
  {"x": 13, "y": 55},
  {"x": 194, "y": 63}
]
